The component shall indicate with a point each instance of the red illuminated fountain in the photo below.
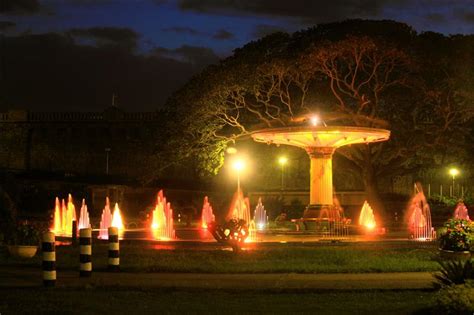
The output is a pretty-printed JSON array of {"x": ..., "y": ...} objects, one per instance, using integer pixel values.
[
  {"x": 419, "y": 216},
  {"x": 207, "y": 215},
  {"x": 162, "y": 225},
  {"x": 108, "y": 219},
  {"x": 240, "y": 210},
  {"x": 367, "y": 220},
  {"x": 461, "y": 212}
]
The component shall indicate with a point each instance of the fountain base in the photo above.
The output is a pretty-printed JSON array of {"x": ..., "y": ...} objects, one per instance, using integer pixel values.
[{"x": 329, "y": 212}]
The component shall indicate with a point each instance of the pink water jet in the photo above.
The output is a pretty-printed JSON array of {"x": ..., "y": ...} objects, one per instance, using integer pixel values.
[
  {"x": 84, "y": 221},
  {"x": 207, "y": 215},
  {"x": 461, "y": 212},
  {"x": 162, "y": 226},
  {"x": 419, "y": 216},
  {"x": 105, "y": 220}
]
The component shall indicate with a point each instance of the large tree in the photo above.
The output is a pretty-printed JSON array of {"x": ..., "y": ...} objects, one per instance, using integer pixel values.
[{"x": 368, "y": 76}]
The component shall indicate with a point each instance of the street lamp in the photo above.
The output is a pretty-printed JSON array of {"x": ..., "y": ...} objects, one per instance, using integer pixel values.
[
  {"x": 282, "y": 160},
  {"x": 453, "y": 172}
]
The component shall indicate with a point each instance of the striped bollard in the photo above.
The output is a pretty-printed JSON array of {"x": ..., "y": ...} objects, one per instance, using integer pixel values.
[
  {"x": 114, "y": 247},
  {"x": 85, "y": 257},
  {"x": 49, "y": 259}
]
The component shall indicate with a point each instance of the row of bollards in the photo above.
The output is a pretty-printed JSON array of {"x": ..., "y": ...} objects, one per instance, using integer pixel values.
[{"x": 85, "y": 254}]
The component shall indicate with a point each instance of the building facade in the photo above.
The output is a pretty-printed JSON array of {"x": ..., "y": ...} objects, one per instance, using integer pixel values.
[{"x": 79, "y": 143}]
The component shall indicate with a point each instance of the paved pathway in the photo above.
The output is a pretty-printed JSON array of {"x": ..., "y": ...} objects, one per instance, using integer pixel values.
[{"x": 15, "y": 277}]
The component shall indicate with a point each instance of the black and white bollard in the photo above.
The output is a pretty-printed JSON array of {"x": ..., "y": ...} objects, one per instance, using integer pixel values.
[
  {"x": 114, "y": 247},
  {"x": 85, "y": 257},
  {"x": 49, "y": 259},
  {"x": 74, "y": 232}
]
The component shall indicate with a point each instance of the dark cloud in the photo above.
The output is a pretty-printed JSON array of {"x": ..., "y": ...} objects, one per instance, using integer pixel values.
[
  {"x": 19, "y": 6},
  {"x": 105, "y": 36},
  {"x": 466, "y": 16},
  {"x": 6, "y": 25},
  {"x": 197, "y": 56},
  {"x": 182, "y": 30},
  {"x": 160, "y": 2},
  {"x": 223, "y": 35},
  {"x": 436, "y": 18},
  {"x": 315, "y": 10},
  {"x": 50, "y": 72},
  {"x": 263, "y": 30}
]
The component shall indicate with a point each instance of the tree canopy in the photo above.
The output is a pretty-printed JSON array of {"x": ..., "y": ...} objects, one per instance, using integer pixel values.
[{"x": 364, "y": 73}]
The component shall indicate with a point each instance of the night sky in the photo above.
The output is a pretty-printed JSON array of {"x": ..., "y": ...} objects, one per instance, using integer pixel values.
[{"x": 195, "y": 33}]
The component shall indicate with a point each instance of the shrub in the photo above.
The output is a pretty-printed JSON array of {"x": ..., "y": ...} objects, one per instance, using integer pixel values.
[
  {"x": 458, "y": 235},
  {"x": 457, "y": 299},
  {"x": 455, "y": 272},
  {"x": 26, "y": 234}
]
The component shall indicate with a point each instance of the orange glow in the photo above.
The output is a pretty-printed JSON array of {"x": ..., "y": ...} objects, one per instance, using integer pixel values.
[
  {"x": 57, "y": 228},
  {"x": 162, "y": 224},
  {"x": 252, "y": 238},
  {"x": 117, "y": 218},
  {"x": 63, "y": 217},
  {"x": 366, "y": 217},
  {"x": 207, "y": 215}
]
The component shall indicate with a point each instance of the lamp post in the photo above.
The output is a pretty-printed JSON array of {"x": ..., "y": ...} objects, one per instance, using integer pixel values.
[
  {"x": 107, "y": 150},
  {"x": 453, "y": 172},
  {"x": 282, "y": 160},
  {"x": 238, "y": 166}
]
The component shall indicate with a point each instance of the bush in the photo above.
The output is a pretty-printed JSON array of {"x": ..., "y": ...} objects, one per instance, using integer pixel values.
[
  {"x": 457, "y": 299},
  {"x": 458, "y": 236},
  {"x": 26, "y": 234},
  {"x": 455, "y": 272}
]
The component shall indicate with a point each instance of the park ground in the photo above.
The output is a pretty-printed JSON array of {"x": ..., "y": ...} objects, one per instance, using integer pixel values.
[{"x": 360, "y": 278}]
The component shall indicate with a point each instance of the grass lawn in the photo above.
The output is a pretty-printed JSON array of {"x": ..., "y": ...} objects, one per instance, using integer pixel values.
[
  {"x": 284, "y": 258},
  {"x": 139, "y": 301}
]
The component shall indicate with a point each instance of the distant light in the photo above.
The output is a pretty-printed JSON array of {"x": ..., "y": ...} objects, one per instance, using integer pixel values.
[
  {"x": 238, "y": 165},
  {"x": 453, "y": 172},
  {"x": 315, "y": 120},
  {"x": 282, "y": 160},
  {"x": 231, "y": 150},
  {"x": 261, "y": 226}
]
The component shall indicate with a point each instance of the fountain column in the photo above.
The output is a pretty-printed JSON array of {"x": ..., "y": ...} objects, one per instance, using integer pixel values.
[{"x": 321, "y": 193}]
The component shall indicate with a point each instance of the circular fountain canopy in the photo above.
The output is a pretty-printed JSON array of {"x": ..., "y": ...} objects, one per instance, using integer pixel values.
[{"x": 320, "y": 136}]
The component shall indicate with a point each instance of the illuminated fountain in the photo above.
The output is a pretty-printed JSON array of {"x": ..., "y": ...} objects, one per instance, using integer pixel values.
[
  {"x": 367, "y": 220},
  {"x": 239, "y": 208},
  {"x": 419, "y": 216},
  {"x": 366, "y": 217},
  {"x": 84, "y": 221},
  {"x": 252, "y": 233},
  {"x": 63, "y": 217},
  {"x": 57, "y": 225},
  {"x": 260, "y": 216},
  {"x": 117, "y": 220},
  {"x": 162, "y": 226},
  {"x": 461, "y": 212},
  {"x": 105, "y": 220},
  {"x": 207, "y": 215},
  {"x": 320, "y": 142}
]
